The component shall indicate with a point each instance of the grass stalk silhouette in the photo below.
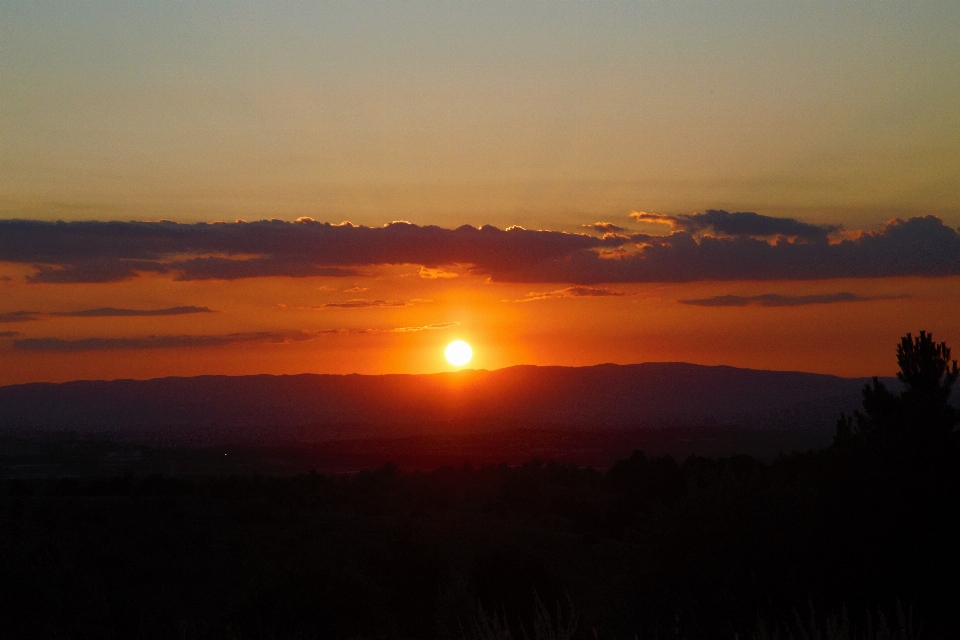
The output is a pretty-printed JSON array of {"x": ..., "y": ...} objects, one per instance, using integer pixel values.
[
  {"x": 491, "y": 626},
  {"x": 839, "y": 627}
]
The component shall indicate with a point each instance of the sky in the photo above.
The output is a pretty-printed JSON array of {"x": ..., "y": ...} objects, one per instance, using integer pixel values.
[{"x": 194, "y": 188}]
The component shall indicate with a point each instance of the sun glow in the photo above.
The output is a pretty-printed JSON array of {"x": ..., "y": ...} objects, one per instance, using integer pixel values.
[{"x": 458, "y": 353}]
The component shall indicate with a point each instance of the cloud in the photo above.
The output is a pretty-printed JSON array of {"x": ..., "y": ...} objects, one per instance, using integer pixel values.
[
  {"x": 217, "y": 268},
  {"x": 93, "y": 270},
  {"x": 434, "y": 274},
  {"x": 111, "y": 312},
  {"x": 777, "y": 300},
  {"x": 103, "y": 312},
  {"x": 362, "y": 303},
  {"x": 605, "y": 227},
  {"x": 19, "y": 316},
  {"x": 716, "y": 245},
  {"x": 741, "y": 223},
  {"x": 167, "y": 342},
  {"x": 922, "y": 247},
  {"x": 60, "y": 345},
  {"x": 150, "y": 342},
  {"x": 571, "y": 292},
  {"x": 74, "y": 252},
  {"x": 426, "y": 327},
  {"x": 355, "y": 290}
]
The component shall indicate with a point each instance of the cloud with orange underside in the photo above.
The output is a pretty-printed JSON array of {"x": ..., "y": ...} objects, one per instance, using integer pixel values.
[
  {"x": 571, "y": 292},
  {"x": 714, "y": 246},
  {"x": 436, "y": 274}
]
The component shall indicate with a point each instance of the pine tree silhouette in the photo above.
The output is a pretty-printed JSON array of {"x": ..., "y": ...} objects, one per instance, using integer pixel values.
[{"x": 921, "y": 415}]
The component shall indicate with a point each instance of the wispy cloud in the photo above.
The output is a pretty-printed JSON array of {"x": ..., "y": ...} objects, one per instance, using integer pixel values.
[
  {"x": 149, "y": 342},
  {"x": 778, "y": 300},
  {"x": 19, "y": 316},
  {"x": 436, "y": 274},
  {"x": 571, "y": 292},
  {"x": 168, "y": 342},
  {"x": 111, "y": 312},
  {"x": 60, "y": 345},
  {"x": 102, "y": 312},
  {"x": 426, "y": 327},
  {"x": 362, "y": 303}
]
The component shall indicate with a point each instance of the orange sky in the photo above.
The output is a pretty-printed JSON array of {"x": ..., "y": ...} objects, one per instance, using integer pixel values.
[
  {"x": 646, "y": 323},
  {"x": 828, "y": 120}
]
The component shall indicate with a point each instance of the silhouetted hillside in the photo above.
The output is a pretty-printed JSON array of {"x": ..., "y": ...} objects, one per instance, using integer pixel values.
[
  {"x": 108, "y": 539},
  {"x": 316, "y": 408}
]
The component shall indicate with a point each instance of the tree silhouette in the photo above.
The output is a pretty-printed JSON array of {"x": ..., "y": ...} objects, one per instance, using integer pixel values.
[{"x": 921, "y": 414}]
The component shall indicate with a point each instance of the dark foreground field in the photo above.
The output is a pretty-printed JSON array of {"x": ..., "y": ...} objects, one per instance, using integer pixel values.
[
  {"x": 857, "y": 538},
  {"x": 703, "y": 548}
]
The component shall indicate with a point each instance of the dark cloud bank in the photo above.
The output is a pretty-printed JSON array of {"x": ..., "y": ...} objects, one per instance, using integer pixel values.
[
  {"x": 741, "y": 223},
  {"x": 715, "y": 245}
]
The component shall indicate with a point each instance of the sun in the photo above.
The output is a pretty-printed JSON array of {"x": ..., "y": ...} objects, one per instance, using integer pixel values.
[{"x": 458, "y": 353}]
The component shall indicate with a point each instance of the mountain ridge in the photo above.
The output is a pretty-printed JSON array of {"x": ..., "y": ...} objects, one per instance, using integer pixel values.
[{"x": 315, "y": 407}]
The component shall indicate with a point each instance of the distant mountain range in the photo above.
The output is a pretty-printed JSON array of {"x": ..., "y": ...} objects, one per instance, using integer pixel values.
[{"x": 264, "y": 409}]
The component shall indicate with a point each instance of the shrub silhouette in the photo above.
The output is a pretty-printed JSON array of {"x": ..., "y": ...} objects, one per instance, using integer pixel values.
[{"x": 921, "y": 415}]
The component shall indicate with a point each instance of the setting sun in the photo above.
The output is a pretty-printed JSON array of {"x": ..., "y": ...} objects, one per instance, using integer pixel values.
[{"x": 458, "y": 353}]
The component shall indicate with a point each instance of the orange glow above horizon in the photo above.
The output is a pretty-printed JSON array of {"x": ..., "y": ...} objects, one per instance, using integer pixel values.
[{"x": 647, "y": 323}]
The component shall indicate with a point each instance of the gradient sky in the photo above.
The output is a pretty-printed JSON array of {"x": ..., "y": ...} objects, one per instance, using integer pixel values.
[{"x": 545, "y": 115}]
